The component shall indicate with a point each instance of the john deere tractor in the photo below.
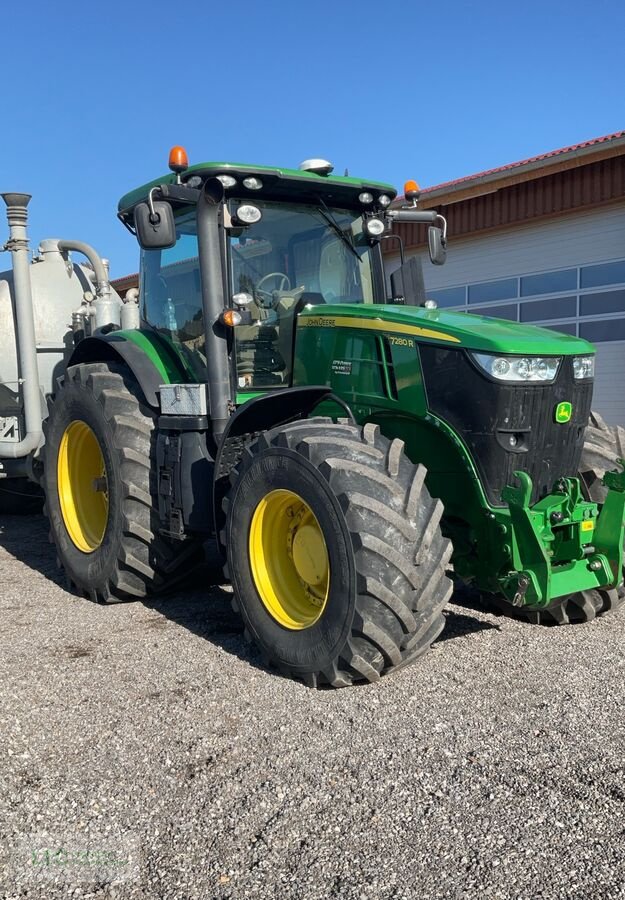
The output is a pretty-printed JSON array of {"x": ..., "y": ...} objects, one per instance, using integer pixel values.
[{"x": 344, "y": 448}]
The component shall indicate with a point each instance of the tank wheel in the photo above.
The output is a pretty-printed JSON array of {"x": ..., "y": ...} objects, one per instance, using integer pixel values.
[
  {"x": 100, "y": 488},
  {"x": 335, "y": 553},
  {"x": 20, "y": 497}
]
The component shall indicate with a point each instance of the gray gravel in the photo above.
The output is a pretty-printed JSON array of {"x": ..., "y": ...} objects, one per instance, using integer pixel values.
[{"x": 492, "y": 768}]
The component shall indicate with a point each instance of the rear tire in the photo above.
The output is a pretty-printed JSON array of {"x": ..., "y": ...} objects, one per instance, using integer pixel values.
[
  {"x": 118, "y": 554},
  {"x": 378, "y": 604},
  {"x": 603, "y": 445}
]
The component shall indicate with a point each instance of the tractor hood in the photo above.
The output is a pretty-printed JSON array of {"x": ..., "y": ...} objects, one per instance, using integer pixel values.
[{"x": 450, "y": 328}]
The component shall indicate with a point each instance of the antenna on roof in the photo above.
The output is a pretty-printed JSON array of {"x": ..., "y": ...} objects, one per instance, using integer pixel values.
[{"x": 346, "y": 172}]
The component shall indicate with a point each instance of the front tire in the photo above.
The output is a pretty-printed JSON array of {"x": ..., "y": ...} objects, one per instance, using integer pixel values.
[
  {"x": 335, "y": 553},
  {"x": 100, "y": 488}
]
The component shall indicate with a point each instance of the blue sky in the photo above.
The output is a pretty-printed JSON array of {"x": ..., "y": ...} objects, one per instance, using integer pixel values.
[{"x": 94, "y": 95}]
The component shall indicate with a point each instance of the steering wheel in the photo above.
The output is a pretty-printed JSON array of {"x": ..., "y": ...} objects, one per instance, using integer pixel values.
[{"x": 266, "y": 297}]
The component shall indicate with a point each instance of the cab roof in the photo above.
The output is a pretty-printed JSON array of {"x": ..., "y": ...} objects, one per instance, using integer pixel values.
[{"x": 278, "y": 183}]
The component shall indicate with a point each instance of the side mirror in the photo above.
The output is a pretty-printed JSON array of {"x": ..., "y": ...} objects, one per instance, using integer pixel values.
[
  {"x": 437, "y": 245},
  {"x": 155, "y": 226}
]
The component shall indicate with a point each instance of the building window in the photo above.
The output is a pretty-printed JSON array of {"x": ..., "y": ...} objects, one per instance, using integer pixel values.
[
  {"x": 606, "y": 330},
  {"x": 606, "y": 302},
  {"x": 549, "y": 282},
  {"x": 487, "y": 291},
  {"x": 605, "y": 273},
  {"x": 554, "y": 308},
  {"x": 577, "y": 299}
]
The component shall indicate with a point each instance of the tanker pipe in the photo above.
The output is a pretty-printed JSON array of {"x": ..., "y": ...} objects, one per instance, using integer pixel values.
[
  {"x": 106, "y": 306},
  {"x": 102, "y": 282},
  {"x": 24, "y": 327}
]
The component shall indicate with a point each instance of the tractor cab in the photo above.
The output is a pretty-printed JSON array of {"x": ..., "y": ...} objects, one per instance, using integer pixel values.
[{"x": 280, "y": 240}]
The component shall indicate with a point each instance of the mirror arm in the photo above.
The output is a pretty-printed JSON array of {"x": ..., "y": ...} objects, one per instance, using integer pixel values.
[
  {"x": 443, "y": 225},
  {"x": 179, "y": 193},
  {"x": 154, "y": 218},
  {"x": 423, "y": 216}
]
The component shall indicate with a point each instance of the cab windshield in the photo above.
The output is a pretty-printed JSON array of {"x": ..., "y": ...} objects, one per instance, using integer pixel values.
[{"x": 296, "y": 255}]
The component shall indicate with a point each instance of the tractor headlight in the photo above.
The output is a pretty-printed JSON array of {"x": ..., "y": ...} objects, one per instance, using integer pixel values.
[
  {"x": 384, "y": 200},
  {"x": 518, "y": 368},
  {"x": 246, "y": 214},
  {"x": 584, "y": 366}
]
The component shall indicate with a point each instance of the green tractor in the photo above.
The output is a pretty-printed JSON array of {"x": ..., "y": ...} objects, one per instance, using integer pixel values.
[{"x": 343, "y": 450}]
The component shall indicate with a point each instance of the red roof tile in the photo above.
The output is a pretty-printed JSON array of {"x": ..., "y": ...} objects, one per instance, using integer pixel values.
[{"x": 525, "y": 162}]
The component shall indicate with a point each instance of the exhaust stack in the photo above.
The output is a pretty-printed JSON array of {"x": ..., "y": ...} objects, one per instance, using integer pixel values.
[{"x": 17, "y": 244}]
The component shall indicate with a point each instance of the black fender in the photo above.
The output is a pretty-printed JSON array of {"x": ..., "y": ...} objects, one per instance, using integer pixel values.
[
  {"x": 261, "y": 414},
  {"x": 116, "y": 348}
]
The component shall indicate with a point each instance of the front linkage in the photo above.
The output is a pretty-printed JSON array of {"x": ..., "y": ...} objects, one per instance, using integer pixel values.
[{"x": 563, "y": 544}]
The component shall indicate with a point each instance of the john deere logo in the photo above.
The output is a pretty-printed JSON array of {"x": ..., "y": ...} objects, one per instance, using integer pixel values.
[{"x": 563, "y": 411}]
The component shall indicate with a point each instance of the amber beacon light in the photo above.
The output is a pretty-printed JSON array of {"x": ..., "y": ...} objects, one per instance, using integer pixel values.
[
  {"x": 411, "y": 190},
  {"x": 178, "y": 159}
]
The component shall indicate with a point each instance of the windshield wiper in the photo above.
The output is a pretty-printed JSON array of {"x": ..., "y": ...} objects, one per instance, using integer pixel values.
[{"x": 336, "y": 228}]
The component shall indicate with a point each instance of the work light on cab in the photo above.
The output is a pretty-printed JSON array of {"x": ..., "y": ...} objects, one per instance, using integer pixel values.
[
  {"x": 247, "y": 214},
  {"x": 374, "y": 227}
]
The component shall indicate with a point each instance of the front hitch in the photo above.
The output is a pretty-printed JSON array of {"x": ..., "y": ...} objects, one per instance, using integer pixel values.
[{"x": 562, "y": 544}]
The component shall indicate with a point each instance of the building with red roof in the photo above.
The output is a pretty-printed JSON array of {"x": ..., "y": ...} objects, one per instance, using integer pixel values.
[{"x": 541, "y": 240}]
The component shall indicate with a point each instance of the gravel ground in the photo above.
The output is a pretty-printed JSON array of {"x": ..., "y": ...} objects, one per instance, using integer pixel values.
[{"x": 491, "y": 768}]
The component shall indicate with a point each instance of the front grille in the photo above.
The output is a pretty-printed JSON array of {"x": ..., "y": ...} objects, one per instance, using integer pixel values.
[{"x": 484, "y": 413}]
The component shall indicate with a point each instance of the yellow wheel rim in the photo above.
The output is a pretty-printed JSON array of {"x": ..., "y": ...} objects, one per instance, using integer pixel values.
[
  {"x": 289, "y": 560},
  {"x": 82, "y": 486}
]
